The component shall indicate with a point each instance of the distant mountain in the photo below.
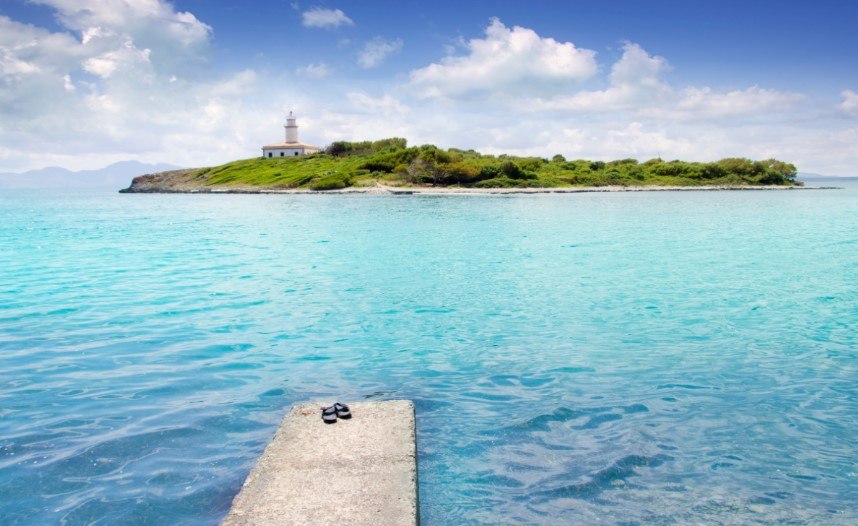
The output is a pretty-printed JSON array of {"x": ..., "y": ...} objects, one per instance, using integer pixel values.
[
  {"x": 802, "y": 176},
  {"x": 115, "y": 176}
]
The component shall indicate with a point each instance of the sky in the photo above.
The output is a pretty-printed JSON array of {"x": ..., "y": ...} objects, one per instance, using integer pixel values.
[{"x": 85, "y": 83}]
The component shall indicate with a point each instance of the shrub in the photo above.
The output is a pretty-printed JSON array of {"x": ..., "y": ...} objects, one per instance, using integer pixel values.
[
  {"x": 378, "y": 166},
  {"x": 499, "y": 182},
  {"x": 577, "y": 166},
  {"x": 338, "y": 148},
  {"x": 511, "y": 170},
  {"x": 740, "y": 166},
  {"x": 332, "y": 181},
  {"x": 712, "y": 171},
  {"x": 459, "y": 172},
  {"x": 393, "y": 143},
  {"x": 432, "y": 154},
  {"x": 786, "y": 171},
  {"x": 388, "y": 161},
  {"x": 489, "y": 171},
  {"x": 531, "y": 164},
  {"x": 343, "y": 148},
  {"x": 672, "y": 168}
]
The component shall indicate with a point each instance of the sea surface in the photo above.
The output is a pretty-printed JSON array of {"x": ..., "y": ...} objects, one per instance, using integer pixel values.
[{"x": 612, "y": 358}]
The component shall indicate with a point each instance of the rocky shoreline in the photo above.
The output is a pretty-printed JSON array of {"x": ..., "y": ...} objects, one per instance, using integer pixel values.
[
  {"x": 186, "y": 182},
  {"x": 382, "y": 190}
]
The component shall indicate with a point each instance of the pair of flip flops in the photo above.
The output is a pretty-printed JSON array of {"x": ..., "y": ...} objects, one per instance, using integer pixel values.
[{"x": 332, "y": 413}]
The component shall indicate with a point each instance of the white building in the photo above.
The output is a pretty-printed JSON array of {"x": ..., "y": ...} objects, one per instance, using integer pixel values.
[{"x": 291, "y": 146}]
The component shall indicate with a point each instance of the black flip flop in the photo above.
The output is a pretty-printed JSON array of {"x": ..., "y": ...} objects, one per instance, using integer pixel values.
[
  {"x": 329, "y": 415},
  {"x": 342, "y": 411}
]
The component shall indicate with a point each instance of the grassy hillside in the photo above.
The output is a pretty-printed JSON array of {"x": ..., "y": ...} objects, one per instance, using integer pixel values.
[{"x": 392, "y": 162}]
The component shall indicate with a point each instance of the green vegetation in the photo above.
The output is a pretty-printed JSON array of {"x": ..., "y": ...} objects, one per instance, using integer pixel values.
[{"x": 392, "y": 162}]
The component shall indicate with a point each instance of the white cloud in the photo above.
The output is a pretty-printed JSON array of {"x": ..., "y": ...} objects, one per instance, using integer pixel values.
[
  {"x": 122, "y": 79},
  {"x": 10, "y": 65},
  {"x": 314, "y": 71},
  {"x": 128, "y": 79},
  {"x": 363, "y": 117},
  {"x": 325, "y": 18},
  {"x": 638, "y": 67},
  {"x": 514, "y": 60},
  {"x": 174, "y": 37},
  {"x": 128, "y": 56},
  {"x": 102, "y": 66},
  {"x": 384, "y": 105},
  {"x": 707, "y": 103},
  {"x": 849, "y": 105},
  {"x": 377, "y": 50},
  {"x": 635, "y": 140},
  {"x": 635, "y": 81},
  {"x": 239, "y": 84},
  {"x": 637, "y": 86},
  {"x": 93, "y": 32},
  {"x": 29, "y": 49}
]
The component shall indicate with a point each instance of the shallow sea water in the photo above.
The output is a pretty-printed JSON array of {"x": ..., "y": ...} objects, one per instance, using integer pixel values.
[{"x": 628, "y": 358}]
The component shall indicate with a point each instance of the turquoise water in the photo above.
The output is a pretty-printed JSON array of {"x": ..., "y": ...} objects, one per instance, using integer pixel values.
[{"x": 659, "y": 358}]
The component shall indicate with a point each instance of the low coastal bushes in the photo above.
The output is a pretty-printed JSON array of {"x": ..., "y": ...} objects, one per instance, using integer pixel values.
[
  {"x": 392, "y": 161},
  {"x": 332, "y": 181}
]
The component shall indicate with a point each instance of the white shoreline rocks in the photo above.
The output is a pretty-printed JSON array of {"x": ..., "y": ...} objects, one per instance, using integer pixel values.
[
  {"x": 185, "y": 182},
  {"x": 377, "y": 190}
]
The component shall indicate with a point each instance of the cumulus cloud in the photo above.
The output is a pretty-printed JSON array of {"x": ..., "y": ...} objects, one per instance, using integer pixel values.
[
  {"x": 123, "y": 78},
  {"x": 377, "y": 50},
  {"x": 359, "y": 116},
  {"x": 128, "y": 55},
  {"x": 33, "y": 66},
  {"x": 314, "y": 71},
  {"x": 325, "y": 18},
  {"x": 849, "y": 105},
  {"x": 707, "y": 103},
  {"x": 637, "y": 85},
  {"x": 384, "y": 105},
  {"x": 129, "y": 79},
  {"x": 507, "y": 59},
  {"x": 638, "y": 67},
  {"x": 635, "y": 81},
  {"x": 176, "y": 38}
]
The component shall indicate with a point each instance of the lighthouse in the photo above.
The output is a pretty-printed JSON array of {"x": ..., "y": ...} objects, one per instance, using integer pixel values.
[
  {"x": 291, "y": 128},
  {"x": 291, "y": 147}
]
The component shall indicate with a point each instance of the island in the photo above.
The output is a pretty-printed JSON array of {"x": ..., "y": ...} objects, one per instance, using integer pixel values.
[{"x": 391, "y": 166}]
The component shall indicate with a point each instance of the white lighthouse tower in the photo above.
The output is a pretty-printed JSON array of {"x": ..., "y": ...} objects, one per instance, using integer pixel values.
[
  {"x": 291, "y": 146},
  {"x": 291, "y": 128}
]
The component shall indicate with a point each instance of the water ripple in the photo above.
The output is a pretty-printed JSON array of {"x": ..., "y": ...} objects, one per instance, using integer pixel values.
[{"x": 616, "y": 359}]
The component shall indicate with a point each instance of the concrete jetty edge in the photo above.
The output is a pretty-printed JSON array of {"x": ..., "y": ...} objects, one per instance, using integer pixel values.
[{"x": 361, "y": 471}]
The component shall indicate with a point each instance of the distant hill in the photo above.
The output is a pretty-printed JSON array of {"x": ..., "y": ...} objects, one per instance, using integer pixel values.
[
  {"x": 114, "y": 176},
  {"x": 803, "y": 176}
]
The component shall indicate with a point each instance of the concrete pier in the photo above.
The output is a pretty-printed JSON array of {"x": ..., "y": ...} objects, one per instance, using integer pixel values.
[{"x": 361, "y": 471}]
